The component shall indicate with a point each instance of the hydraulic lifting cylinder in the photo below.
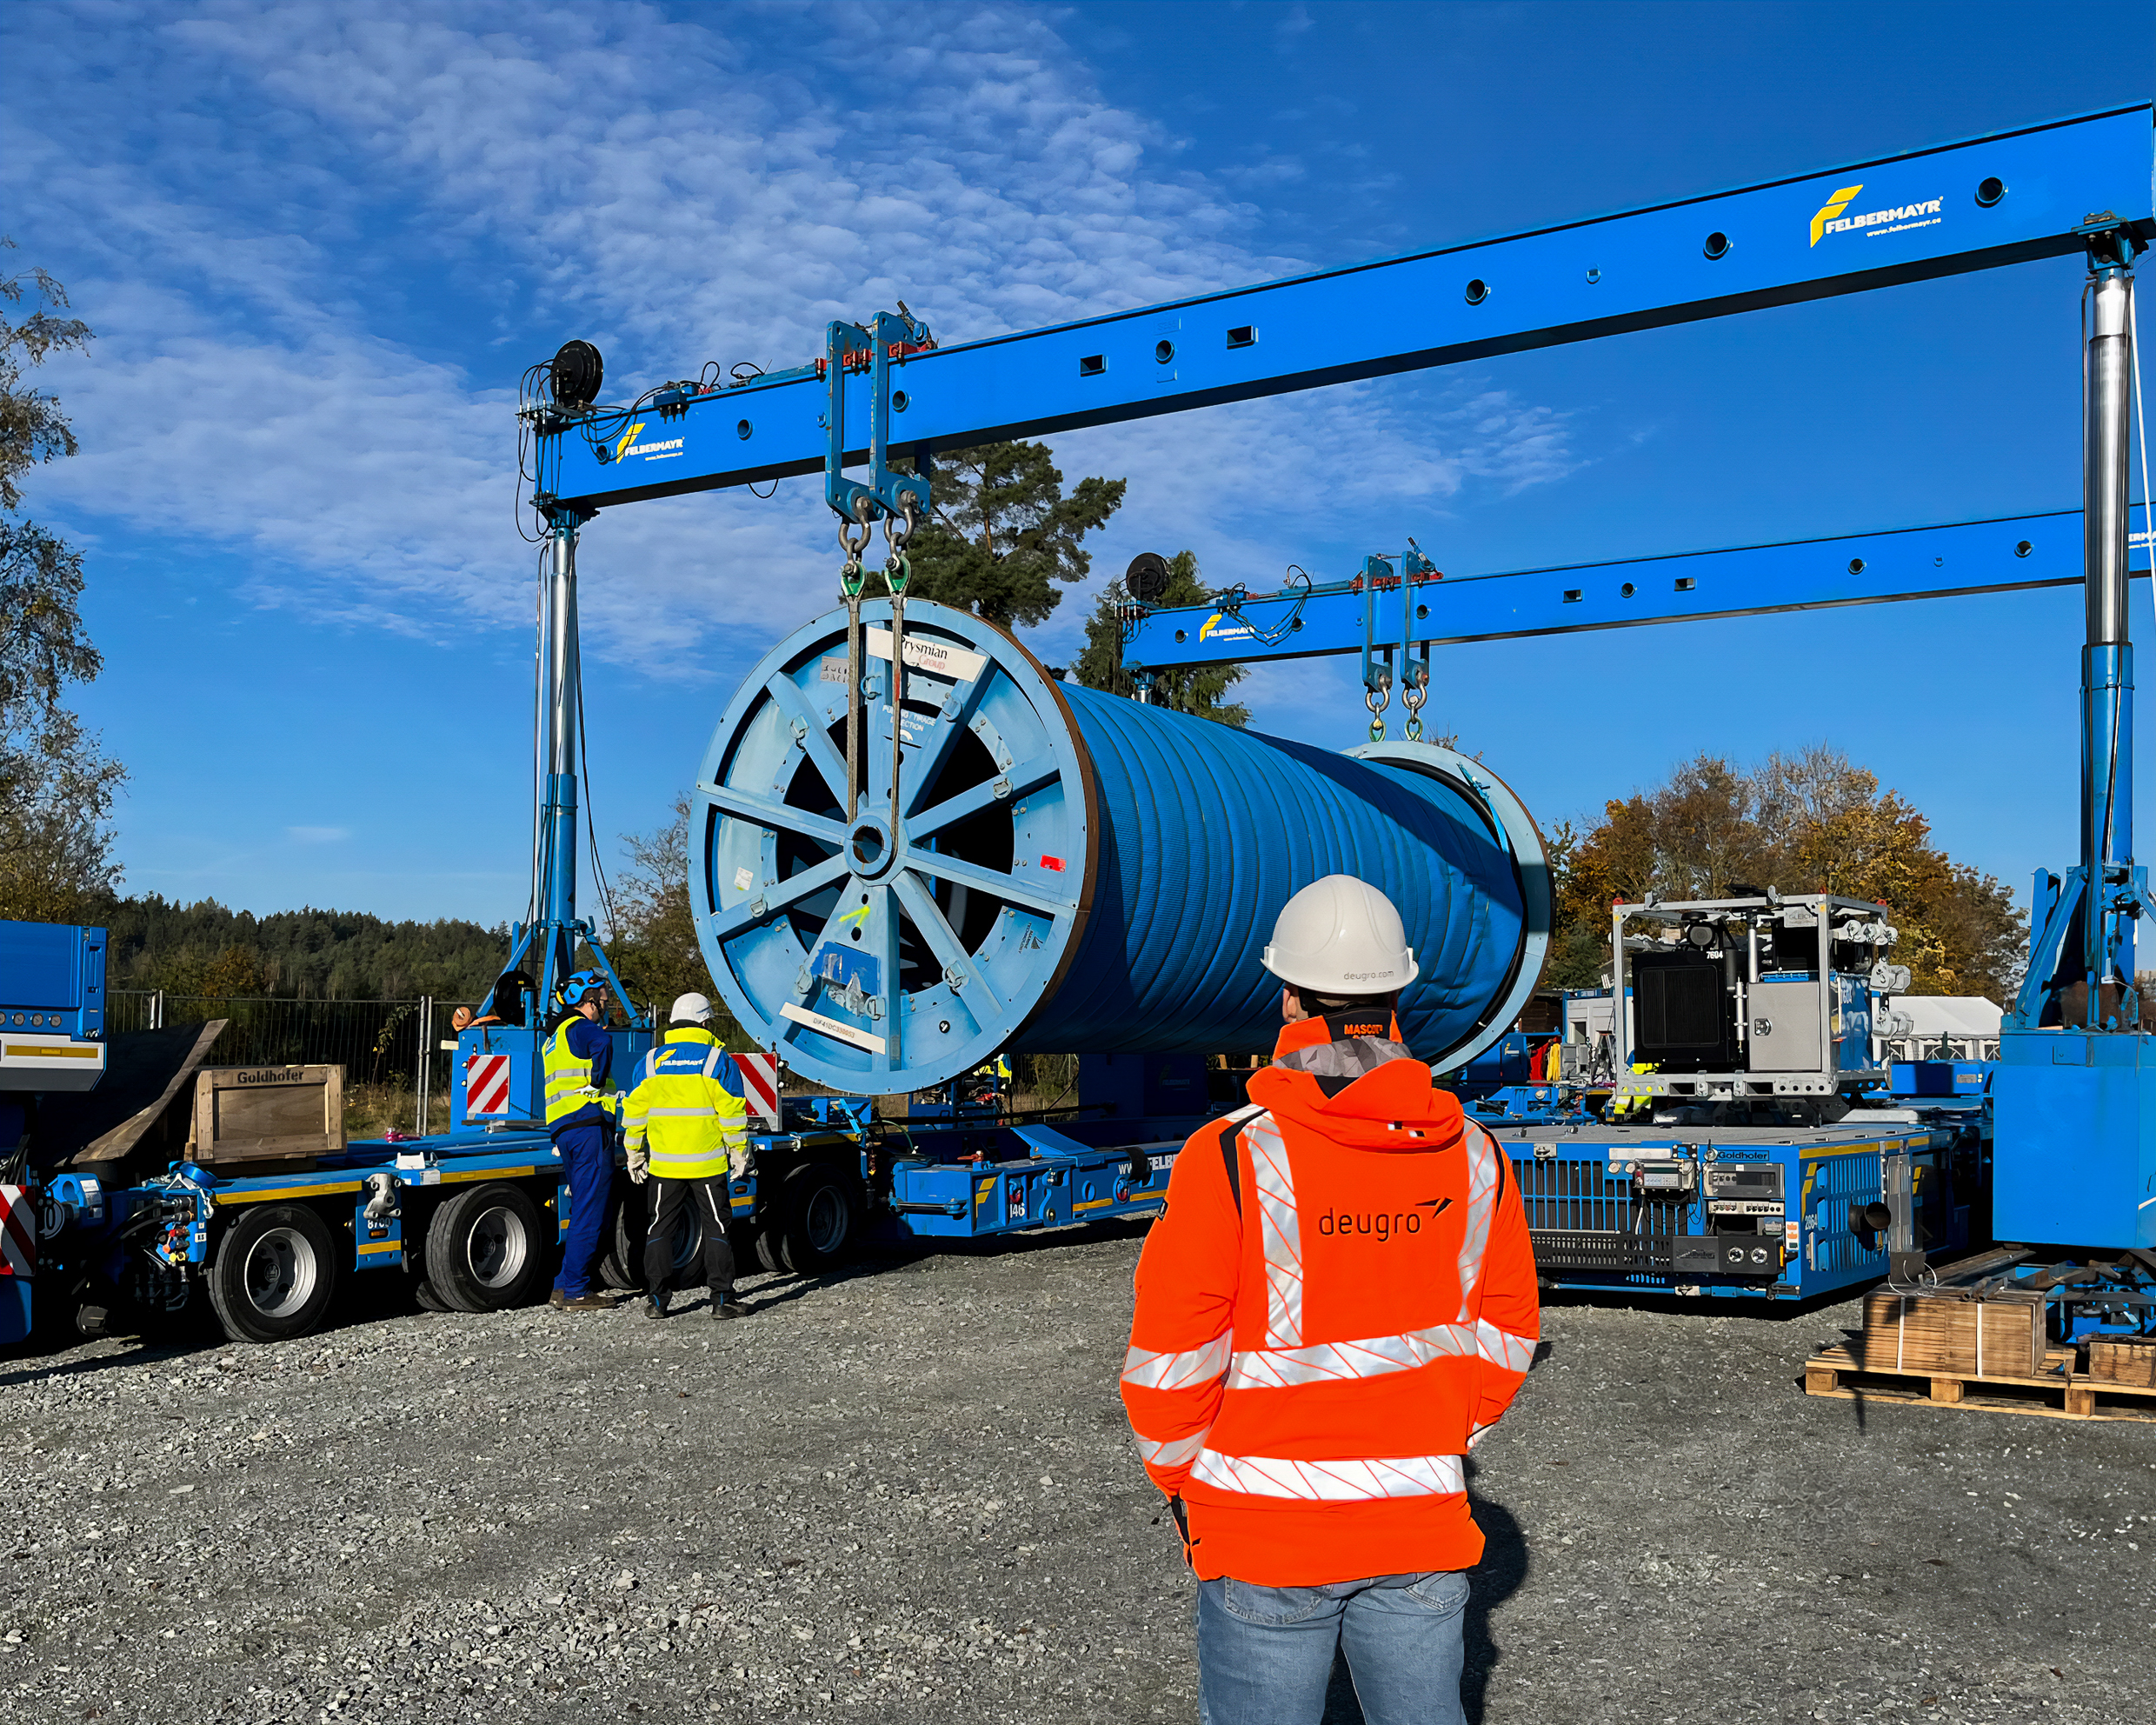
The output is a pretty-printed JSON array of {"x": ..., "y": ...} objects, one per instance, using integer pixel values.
[
  {"x": 2107, "y": 658},
  {"x": 1069, "y": 871}
]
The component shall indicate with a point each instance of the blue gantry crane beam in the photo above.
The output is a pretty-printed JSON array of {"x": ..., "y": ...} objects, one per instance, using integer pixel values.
[
  {"x": 1308, "y": 619},
  {"x": 1980, "y": 204}
]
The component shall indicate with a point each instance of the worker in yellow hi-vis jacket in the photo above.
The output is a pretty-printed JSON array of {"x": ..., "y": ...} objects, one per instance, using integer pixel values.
[{"x": 686, "y": 1126}]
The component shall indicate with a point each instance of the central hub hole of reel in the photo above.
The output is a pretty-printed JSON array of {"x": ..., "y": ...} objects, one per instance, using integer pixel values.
[{"x": 869, "y": 846}]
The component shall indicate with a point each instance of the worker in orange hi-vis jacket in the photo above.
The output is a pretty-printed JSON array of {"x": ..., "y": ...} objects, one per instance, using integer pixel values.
[{"x": 1338, "y": 1301}]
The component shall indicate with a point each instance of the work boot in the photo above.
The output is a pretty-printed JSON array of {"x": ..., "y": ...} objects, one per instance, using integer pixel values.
[
  {"x": 587, "y": 1303},
  {"x": 557, "y": 1298},
  {"x": 725, "y": 1306},
  {"x": 655, "y": 1306}
]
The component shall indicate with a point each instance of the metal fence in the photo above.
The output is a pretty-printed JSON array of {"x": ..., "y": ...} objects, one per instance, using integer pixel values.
[{"x": 376, "y": 1041}]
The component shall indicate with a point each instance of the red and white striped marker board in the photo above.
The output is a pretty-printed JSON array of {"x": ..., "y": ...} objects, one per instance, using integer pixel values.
[
  {"x": 18, "y": 1232},
  {"x": 760, "y": 1078},
  {"x": 487, "y": 1084}
]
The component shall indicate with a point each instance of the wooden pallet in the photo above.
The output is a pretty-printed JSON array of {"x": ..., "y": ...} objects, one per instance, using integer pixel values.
[{"x": 2060, "y": 1393}]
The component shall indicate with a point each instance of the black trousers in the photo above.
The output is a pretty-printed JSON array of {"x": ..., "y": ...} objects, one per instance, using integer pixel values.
[{"x": 708, "y": 1199}]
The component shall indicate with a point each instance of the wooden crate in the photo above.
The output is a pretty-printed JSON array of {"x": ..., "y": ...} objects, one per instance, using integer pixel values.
[
  {"x": 1948, "y": 1333},
  {"x": 290, "y": 1115},
  {"x": 2126, "y": 1361}
]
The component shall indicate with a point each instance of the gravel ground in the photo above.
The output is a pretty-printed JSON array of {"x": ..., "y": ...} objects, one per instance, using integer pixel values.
[{"x": 908, "y": 1493}]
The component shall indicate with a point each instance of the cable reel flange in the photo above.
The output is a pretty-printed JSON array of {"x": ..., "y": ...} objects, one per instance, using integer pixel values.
[
  {"x": 1510, "y": 823},
  {"x": 909, "y": 951}
]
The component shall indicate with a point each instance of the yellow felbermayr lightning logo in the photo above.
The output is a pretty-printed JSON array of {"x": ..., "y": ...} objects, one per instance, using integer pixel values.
[
  {"x": 630, "y": 435},
  {"x": 1832, "y": 208},
  {"x": 1210, "y": 624}
]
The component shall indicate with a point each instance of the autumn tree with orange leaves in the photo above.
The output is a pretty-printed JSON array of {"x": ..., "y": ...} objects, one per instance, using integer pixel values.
[{"x": 1811, "y": 821}]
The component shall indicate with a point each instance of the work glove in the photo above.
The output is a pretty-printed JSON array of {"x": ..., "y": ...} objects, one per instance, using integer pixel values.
[
  {"x": 740, "y": 1159},
  {"x": 639, "y": 1164},
  {"x": 1182, "y": 1530}
]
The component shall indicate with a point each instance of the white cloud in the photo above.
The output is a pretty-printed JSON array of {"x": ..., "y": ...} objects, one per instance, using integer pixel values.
[{"x": 312, "y": 236}]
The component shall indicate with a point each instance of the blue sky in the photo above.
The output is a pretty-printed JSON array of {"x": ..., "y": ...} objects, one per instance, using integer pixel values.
[{"x": 319, "y": 243}]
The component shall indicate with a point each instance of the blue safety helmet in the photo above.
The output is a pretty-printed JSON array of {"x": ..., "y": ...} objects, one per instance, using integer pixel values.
[{"x": 579, "y": 984}]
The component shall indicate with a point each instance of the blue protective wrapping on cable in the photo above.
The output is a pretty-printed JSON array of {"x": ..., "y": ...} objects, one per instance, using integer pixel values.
[{"x": 1206, "y": 831}]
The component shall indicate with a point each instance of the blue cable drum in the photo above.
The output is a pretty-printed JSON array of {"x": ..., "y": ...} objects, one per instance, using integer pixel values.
[{"x": 1069, "y": 871}]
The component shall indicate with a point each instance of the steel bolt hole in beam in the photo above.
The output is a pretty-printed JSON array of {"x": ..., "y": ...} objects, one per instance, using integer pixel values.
[{"x": 921, "y": 931}]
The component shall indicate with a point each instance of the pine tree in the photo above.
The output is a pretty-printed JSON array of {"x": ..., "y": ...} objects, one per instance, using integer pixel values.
[
  {"x": 1196, "y": 691},
  {"x": 1004, "y": 534}
]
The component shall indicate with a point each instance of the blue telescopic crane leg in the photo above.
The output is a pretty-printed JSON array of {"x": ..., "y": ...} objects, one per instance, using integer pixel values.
[{"x": 557, "y": 887}]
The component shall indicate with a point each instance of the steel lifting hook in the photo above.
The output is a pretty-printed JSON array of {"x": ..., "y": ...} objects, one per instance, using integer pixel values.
[{"x": 1414, "y": 689}]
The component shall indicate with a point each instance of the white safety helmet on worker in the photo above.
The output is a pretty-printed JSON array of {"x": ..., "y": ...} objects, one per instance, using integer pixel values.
[
  {"x": 1341, "y": 935},
  {"x": 690, "y": 1009}
]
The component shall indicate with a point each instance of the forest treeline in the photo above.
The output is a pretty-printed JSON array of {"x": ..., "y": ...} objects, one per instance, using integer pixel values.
[{"x": 204, "y": 949}]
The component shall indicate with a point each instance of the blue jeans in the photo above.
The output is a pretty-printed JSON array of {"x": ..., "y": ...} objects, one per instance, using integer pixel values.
[
  {"x": 590, "y": 1160},
  {"x": 1265, "y": 1654}
]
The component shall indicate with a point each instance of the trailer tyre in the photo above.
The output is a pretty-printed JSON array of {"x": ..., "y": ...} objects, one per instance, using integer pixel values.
[
  {"x": 274, "y": 1274},
  {"x": 483, "y": 1250},
  {"x": 620, "y": 1264},
  {"x": 820, "y": 1217}
]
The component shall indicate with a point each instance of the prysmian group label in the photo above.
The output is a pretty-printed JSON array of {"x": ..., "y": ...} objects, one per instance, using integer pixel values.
[{"x": 925, "y": 653}]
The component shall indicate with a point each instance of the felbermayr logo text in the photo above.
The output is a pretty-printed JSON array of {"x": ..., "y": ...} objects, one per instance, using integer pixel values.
[
  {"x": 1900, "y": 218},
  {"x": 1218, "y": 624}
]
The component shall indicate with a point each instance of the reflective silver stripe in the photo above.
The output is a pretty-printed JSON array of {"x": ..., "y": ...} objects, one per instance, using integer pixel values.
[
  {"x": 711, "y": 1061},
  {"x": 1502, "y": 1348},
  {"x": 1281, "y": 1231},
  {"x": 1331, "y": 1482},
  {"x": 681, "y": 1113},
  {"x": 1479, "y": 1433},
  {"x": 1150, "y": 1370},
  {"x": 1482, "y": 1175},
  {"x": 1328, "y": 1361},
  {"x": 1171, "y": 1454}
]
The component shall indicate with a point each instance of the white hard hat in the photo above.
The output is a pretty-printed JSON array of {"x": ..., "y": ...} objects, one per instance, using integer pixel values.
[
  {"x": 690, "y": 1009},
  {"x": 1341, "y": 935}
]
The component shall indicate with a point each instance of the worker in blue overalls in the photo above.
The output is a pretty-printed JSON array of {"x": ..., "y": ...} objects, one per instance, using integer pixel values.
[{"x": 581, "y": 1105}]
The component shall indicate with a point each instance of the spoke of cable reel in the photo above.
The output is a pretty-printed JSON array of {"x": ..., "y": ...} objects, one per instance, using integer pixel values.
[
  {"x": 770, "y": 812},
  {"x": 832, "y": 872},
  {"x": 955, "y": 722},
  {"x": 1009, "y": 888},
  {"x": 1009, "y": 783},
  {"x": 808, "y": 731},
  {"x": 965, "y": 978}
]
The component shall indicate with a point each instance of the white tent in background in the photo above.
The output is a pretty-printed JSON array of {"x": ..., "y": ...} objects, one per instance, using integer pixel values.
[{"x": 1948, "y": 1027}]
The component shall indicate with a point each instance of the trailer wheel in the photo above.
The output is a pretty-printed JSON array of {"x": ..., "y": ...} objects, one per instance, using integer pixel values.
[
  {"x": 621, "y": 1264},
  {"x": 766, "y": 1247},
  {"x": 483, "y": 1251},
  {"x": 274, "y": 1274},
  {"x": 687, "y": 1250},
  {"x": 820, "y": 1210}
]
